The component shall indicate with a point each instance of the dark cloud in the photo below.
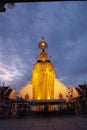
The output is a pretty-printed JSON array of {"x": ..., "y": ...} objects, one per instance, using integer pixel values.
[{"x": 64, "y": 26}]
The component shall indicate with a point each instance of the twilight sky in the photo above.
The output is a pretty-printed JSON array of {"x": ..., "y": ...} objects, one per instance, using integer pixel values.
[{"x": 64, "y": 27}]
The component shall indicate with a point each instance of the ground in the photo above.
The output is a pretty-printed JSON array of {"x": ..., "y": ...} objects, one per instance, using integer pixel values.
[{"x": 45, "y": 123}]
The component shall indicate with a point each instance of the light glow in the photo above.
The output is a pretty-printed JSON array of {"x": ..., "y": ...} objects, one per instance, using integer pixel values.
[
  {"x": 43, "y": 83},
  {"x": 48, "y": 97},
  {"x": 38, "y": 98}
]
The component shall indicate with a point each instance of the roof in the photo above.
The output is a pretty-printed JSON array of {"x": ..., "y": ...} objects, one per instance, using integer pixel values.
[
  {"x": 82, "y": 86},
  {"x": 8, "y": 92},
  {"x": 79, "y": 90},
  {"x": 5, "y": 91}
]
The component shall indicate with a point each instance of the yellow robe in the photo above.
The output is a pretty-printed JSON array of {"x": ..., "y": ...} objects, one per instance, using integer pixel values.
[{"x": 43, "y": 76}]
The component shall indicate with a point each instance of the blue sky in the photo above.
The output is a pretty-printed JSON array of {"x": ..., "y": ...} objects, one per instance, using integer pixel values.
[{"x": 64, "y": 27}]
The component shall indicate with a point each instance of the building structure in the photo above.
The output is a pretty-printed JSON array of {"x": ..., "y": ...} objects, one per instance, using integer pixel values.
[
  {"x": 44, "y": 84},
  {"x": 7, "y": 93}
]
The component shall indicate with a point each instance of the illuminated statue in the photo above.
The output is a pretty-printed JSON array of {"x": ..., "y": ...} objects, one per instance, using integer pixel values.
[
  {"x": 44, "y": 84},
  {"x": 43, "y": 75}
]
